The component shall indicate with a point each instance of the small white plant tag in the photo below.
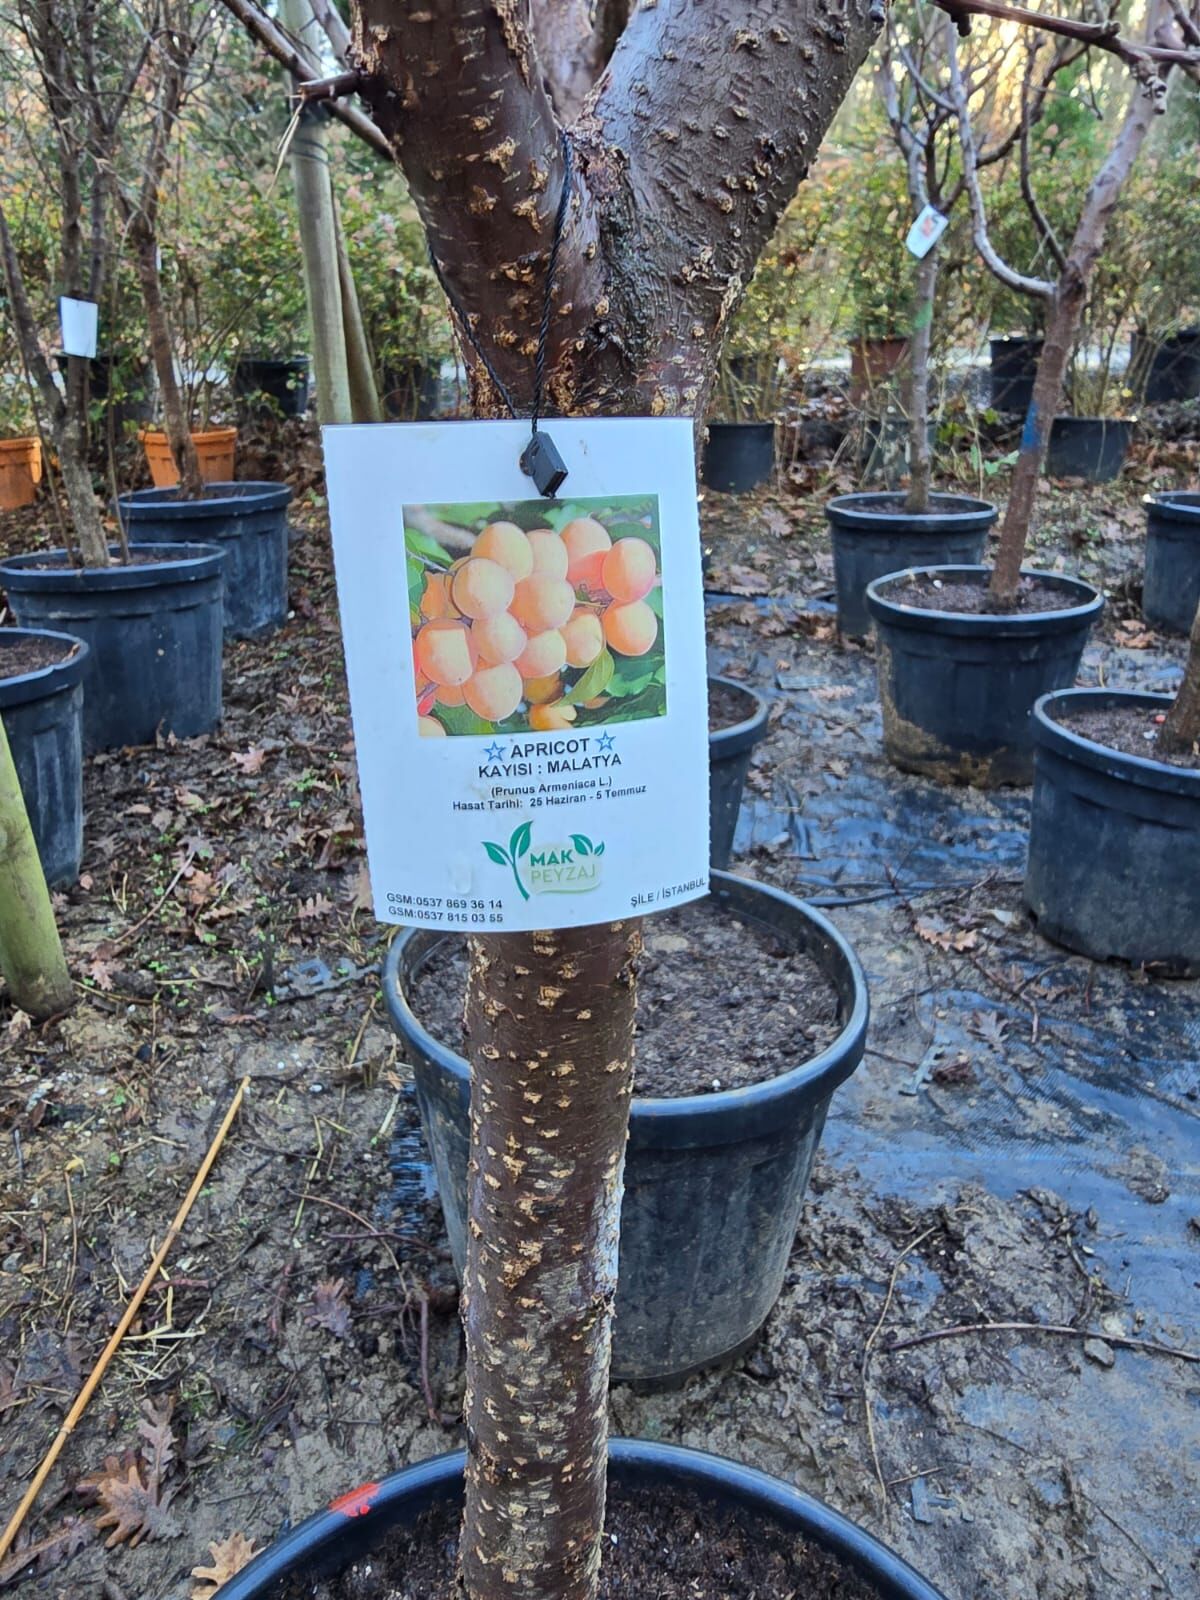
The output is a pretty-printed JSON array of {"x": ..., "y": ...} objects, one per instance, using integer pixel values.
[
  {"x": 925, "y": 232},
  {"x": 80, "y": 320}
]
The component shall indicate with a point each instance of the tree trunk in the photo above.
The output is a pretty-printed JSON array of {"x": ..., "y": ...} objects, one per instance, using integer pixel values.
[
  {"x": 1062, "y": 327},
  {"x": 550, "y": 1032},
  {"x": 319, "y": 238},
  {"x": 162, "y": 351},
  {"x": 31, "y": 957},
  {"x": 920, "y": 457},
  {"x": 1180, "y": 733},
  {"x": 66, "y": 418},
  {"x": 691, "y": 144},
  {"x": 360, "y": 369}
]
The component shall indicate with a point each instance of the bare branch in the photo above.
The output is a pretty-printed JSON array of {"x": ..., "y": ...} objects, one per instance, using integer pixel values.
[
  {"x": 1038, "y": 288},
  {"x": 336, "y": 31},
  {"x": 1141, "y": 58},
  {"x": 304, "y": 67},
  {"x": 1040, "y": 221}
]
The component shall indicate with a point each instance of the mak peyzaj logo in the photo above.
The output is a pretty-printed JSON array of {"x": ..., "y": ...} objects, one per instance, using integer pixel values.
[{"x": 558, "y": 868}]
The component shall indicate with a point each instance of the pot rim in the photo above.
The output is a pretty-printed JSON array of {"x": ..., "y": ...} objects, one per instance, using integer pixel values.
[
  {"x": 1015, "y": 339},
  {"x": 1068, "y": 419},
  {"x": 1052, "y": 733},
  {"x": 729, "y": 427},
  {"x": 634, "y": 1460},
  {"x": 42, "y": 682},
  {"x": 999, "y": 625},
  {"x": 22, "y": 443},
  {"x": 190, "y": 563},
  {"x": 220, "y": 499},
  {"x": 948, "y": 512},
  {"x": 1174, "y": 505},
  {"x": 199, "y": 435},
  {"x": 685, "y": 1119},
  {"x": 730, "y": 741}
]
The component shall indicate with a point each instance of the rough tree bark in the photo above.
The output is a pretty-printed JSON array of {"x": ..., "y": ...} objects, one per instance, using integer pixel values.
[
  {"x": 920, "y": 457},
  {"x": 550, "y": 1033},
  {"x": 1180, "y": 733},
  {"x": 31, "y": 956},
  {"x": 1065, "y": 308},
  {"x": 689, "y": 146}
]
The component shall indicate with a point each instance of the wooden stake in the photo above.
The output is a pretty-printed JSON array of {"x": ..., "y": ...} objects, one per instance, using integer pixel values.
[{"x": 131, "y": 1311}]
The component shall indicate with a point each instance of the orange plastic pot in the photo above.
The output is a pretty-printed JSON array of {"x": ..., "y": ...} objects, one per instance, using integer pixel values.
[
  {"x": 217, "y": 448},
  {"x": 20, "y": 472}
]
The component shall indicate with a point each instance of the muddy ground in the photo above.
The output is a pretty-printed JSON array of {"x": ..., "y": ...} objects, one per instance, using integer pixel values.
[{"x": 1019, "y": 1146}]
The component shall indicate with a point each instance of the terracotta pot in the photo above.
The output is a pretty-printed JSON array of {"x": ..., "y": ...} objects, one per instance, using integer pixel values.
[
  {"x": 216, "y": 448},
  {"x": 872, "y": 363},
  {"x": 20, "y": 472}
]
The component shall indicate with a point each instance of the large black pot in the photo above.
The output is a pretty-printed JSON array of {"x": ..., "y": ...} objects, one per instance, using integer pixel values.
[
  {"x": 42, "y": 713},
  {"x": 1093, "y": 448},
  {"x": 281, "y": 382},
  {"x": 246, "y": 520},
  {"x": 713, "y": 1183},
  {"x": 1171, "y": 365},
  {"x": 729, "y": 752},
  {"x": 154, "y": 628},
  {"x": 1171, "y": 590},
  {"x": 739, "y": 456},
  {"x": 1114, "y": 841},
  {"x": 957, "y": 688},
  {"x": 873, "y": 535},
  {"x": 357, "y": 1522},
  {"x": 1014, "y": 368}
]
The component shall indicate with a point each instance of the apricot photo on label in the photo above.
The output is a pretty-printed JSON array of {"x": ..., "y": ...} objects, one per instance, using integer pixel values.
[{"x": 536, "y": 615}]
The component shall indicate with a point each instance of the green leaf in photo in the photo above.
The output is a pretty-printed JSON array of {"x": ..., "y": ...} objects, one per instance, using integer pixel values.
[
  {"x": 594, "y": 681},
  {"x": 420, "y": 544},
  {"x": 460, "y": 719}
]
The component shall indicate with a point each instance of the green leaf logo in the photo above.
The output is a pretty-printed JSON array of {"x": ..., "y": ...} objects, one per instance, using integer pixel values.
[
  {"x": 496, "y": 853},
  {"x": 582, "y": 843},
  {"x": 519, "y": 843}
]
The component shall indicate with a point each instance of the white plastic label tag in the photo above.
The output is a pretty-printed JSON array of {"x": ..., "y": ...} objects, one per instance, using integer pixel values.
[
  {"x": 80, "y": 320},
  {"x": 925, "y": 232},
  {"x": 527, "y": 676}
]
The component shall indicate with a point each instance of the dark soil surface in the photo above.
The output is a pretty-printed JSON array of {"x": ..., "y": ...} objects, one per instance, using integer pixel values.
[
  {"x": 726, "y": 707},
  {"x": 1018, "y": 1147},
  {"x": 934, "y": 594},
  {"x": 662, "y": 1547},
  {"x": 1132, "y": 731},
  {"x": 22, "y": 655},
  {"x": 721, "y": 1004}
]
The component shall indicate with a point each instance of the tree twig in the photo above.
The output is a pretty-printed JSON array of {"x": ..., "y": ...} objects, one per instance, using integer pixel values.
[{"x": 962, "y": 1329}]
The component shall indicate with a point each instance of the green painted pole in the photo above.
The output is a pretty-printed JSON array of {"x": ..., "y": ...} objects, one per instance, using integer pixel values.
[{"x": 31, "y": 956}]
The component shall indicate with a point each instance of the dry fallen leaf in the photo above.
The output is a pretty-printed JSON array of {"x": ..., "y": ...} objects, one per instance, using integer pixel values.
[
  {"x": 100, "y": 972},
  {"x": 229, "y": 1556},
  {"x": 331, "y": 1309},
  {"x": 249, "y": 761},
  {"x": 934, "y": 931},
  {"x": 131, "y": 1508},
  {"x": 315, "y": 906},
  {"x": 70, "y": 1535}
]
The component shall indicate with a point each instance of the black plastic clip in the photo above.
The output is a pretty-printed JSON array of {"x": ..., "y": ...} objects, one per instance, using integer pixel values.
[{"x": 541, "y": 461}]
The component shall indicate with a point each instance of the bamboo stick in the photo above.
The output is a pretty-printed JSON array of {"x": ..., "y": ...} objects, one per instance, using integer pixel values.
[{"x": 122, "y": 1328}]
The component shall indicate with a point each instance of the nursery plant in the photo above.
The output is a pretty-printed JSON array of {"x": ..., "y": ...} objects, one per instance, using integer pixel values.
[{"x": 674, "y": 192}]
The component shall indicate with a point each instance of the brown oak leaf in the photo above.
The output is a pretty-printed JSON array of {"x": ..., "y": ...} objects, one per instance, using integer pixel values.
[
  {"x": 331, "y": 1309},
  {"x": 60, "y": 1543},
  {"x": 229, "y": 1556},
  {"x": 131, "y": 1508},
  {"x": 249, "y": 761}
]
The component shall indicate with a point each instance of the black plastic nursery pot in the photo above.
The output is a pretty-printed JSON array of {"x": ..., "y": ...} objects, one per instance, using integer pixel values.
[
  {"x": 1114, "y": 841},
  {"x": 42, "y": 712},
  {"x": 714, "y": 1183},
  {"x": 729, "y": 751},
  {"x": 873, "y": 535},
  {"x": 283, "y": 381},
  {"x": 1173, "y": 367},
  {"x": 246, "y": 520},
  {"x": 957, "y": 688},
  {"x": 154, "y": 631},
  {"x": 739, "y": 456},
  {"x": 356, "y": 1523},
  {"x": 1093, "y": 448},
  {"x": 1014, "y": 362},
  {"x": 1171, "y": 588}
]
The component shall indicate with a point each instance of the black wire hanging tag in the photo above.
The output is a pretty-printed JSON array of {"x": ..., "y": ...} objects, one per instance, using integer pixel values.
[{"x": 540, "y": 459}]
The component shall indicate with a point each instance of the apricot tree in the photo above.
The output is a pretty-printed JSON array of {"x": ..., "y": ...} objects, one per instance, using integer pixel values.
[{"x": 686, "y": 127}]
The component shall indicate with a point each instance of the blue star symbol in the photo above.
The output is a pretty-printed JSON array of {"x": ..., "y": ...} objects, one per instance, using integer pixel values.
[
  {"x": 605, "y": 743},
  {"x": 494, "y": 751}
]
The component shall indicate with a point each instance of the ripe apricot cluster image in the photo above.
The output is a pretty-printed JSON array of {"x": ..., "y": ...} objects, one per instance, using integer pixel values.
[{"x": 528, "y": 629}]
